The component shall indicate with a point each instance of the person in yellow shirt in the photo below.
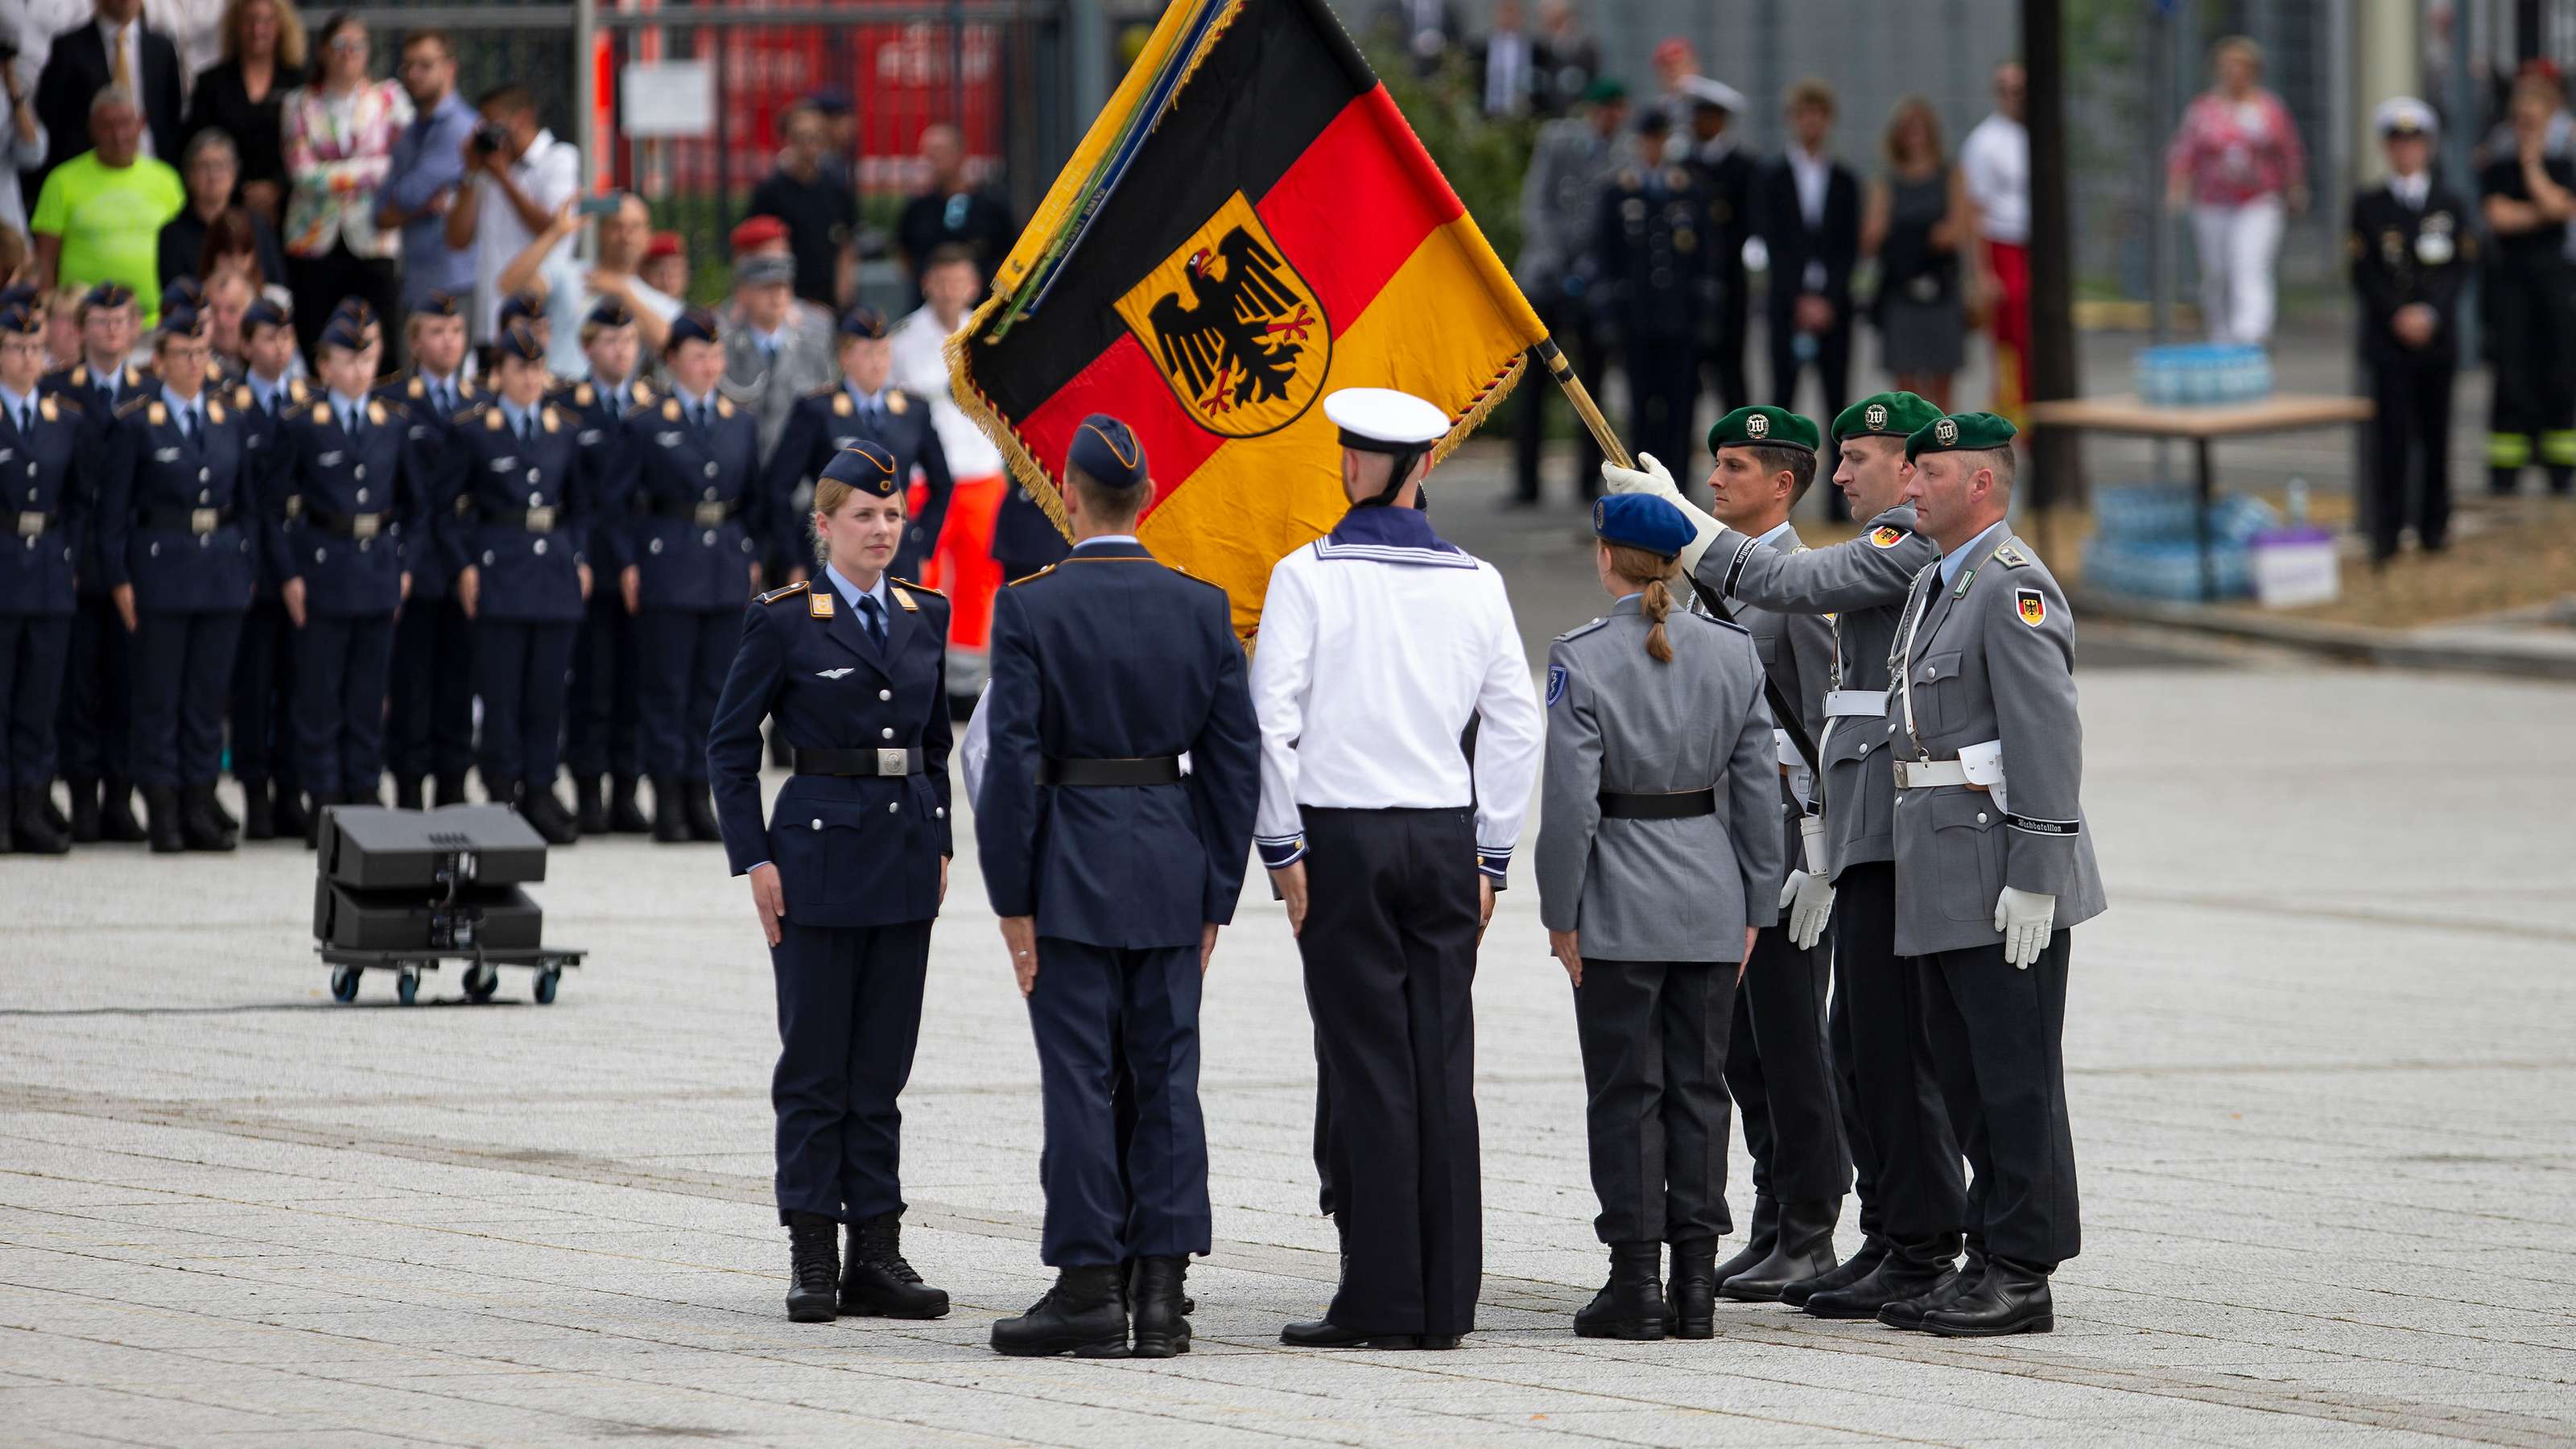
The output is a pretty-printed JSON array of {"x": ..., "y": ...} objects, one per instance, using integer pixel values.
[{"x": 100, "y": 214}]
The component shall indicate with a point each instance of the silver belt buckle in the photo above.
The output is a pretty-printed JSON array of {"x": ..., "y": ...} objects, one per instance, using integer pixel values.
[
  {"x": 365, "y": 525},
  {"x": 541, "y": 520},
  {"x": 711, "y": 515},
  {"x": 204, "y": 520},
  {"x": 894, "y": 762},
  {"x": 31, "y": 525}
]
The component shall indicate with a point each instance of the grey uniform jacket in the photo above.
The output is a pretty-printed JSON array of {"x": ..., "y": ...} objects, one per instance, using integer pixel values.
[
  {"x": 1560, "y": 194},
  {"x": 1859, "y": 585},
  {"x": 770, "y": 388},
  {"x": 1798, "y": 650},
  {"x": 1992, "y": 658},
  {"x": 1658, "y": 890}
]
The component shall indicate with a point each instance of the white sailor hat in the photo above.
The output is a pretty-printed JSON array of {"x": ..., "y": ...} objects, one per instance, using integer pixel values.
[
  {"x": 1704, "y": 91},
  {"x": 2404, "y": 116},
  {"x": 1383, "y": 420}
]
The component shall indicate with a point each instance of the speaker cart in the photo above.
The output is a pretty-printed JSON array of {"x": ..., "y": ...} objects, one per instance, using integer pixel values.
[{"x": 405, "y": 891}]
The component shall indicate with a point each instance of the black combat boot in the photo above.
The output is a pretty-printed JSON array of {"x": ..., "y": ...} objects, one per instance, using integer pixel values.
[
  {"x": 545, "y": 814},
  {"x": 1908, "y": 1312},
  {"x": 1084, "y": 1314},
  {"x": 8, "y": 832},
  {"x": 229, "y": 821},
  {"x": 1132, "y": 1267},
  {"x": 35, "y": 833},
  {"x": 116, "y": 813},
  {"x": 53, "y": 814},
  {"x": 161, "y": 807},
  {"x": 407, "y": 792},
  {"x": 201, "y": 821},
  {"x": 1873, "y": 1250},
  {"x": 451, "y": 789},
  {"x": 876, "y": 1282},
  {"x": 2011, "y": 1298},
  {"x": 85, "y": 821},
  {"x": 292, "y": 819},
  {"x": 670, "y": 817},
  {"x": 323, "y": 800},
  {"x": 1162, "y": 1309},
  {"x": 814, "y": 1258},
  {"x": 1631, "y": 1304},
  {"x": 1905, "y": 1270},
  {"x": 701, "y": 806},
  {"x": 589, "y": 807},
  {"x": 1805, "y": 1249},
  {"x": 1690, "y": 1304},
  {"x": 1765, "y": 1237},
  {"x": 259, "y": 817},
  {"x": 625, "y": 817}
]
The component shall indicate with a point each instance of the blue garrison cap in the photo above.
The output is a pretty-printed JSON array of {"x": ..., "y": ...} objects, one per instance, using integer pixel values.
[
  {"x": 520, "y": 307},
  {"x": 863, "y": 321},
  {"x": 107, "y": 294},
  {"x": 345, "y": 330},
  {"x": 1641, "y": 520},
  {"x": 264, "y": 313},
  {"x": 436, "y": 304},
  {"x": 17, "y": 319},
  {"x": 868, "y": 468},
  {"x": 1107, "y": 450},
  {"x": 609, "y": 312},
  {"x": 519, "y": 340},
  {"x": 694, "y": 324},
  {"x": 183, "y": 292},
  {"x": 181, "y": 322}
]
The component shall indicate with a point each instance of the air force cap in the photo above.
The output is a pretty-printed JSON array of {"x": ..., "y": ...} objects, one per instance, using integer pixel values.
[
  {"x": 1107, "y": 450},
  {"x": 517, "y": 340},
  {"x": 865, "y": 466}
]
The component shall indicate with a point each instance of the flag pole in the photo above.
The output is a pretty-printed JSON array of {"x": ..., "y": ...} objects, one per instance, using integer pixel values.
[{"x": 1552, "y": 358}]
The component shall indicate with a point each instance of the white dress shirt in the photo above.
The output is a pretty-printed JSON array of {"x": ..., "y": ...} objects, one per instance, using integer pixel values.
[
  {"x": 128, "y": 39},
  {"x": 549, "y": 173},
  {"x": 1994, "y": 165},
  {"x": 921, "y": 365},
  {"x": 1372, "y": 658},
  {"x": 2411, "y": 190},
  {"x": 1814, "y": 177}
]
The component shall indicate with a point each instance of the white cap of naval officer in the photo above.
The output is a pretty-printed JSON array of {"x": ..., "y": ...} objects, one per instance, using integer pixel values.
[{"x": 1384, "y": 420}]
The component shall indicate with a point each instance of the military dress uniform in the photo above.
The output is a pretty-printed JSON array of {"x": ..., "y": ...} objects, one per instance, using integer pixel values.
[
  {"x": 1570, "y": 163},
  {"x": 2412, "y": 244},
  {"x": 600, "y": 736},
  {"x": 1652, "y": 254},
  {"x": 429, "y": 731},
  {"x": 1379, "y": 644},
  {"x": 48, "y": 492},
  {"x": 830, "y": 420},
  {"x": 1725, "y": 174},
  {"x": 94, "y": 724},
  {"x": 175, "y": 523},
  {"x": 263, "y": 704},
  {"x": 1106, "y": 669},
  {"x": 1989, "y": 834},
  {"x": 1659, "y": 775},
  {"x": 857, "y": 682}
]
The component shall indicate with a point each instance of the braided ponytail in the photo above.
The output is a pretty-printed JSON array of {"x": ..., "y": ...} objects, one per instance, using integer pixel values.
[{"x": 1649, "y": 571}]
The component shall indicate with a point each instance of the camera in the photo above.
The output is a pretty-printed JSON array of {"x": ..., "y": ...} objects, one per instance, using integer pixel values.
[{"x": 490, "y": 138}]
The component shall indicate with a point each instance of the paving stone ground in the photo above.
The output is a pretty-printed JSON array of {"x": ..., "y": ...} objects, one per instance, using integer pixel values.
[{"x": 2319, "y": 1058}]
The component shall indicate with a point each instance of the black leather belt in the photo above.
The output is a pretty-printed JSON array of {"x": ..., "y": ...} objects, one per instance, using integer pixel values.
[
  {"x": 534, "y": 520},
  {"x": 703, "y": 515},
  {"x": 859, "y": 762},
  {"x": 345, "y": 525},
  {"x": 1680, "y": 805},
  {"x": 1151, "y": 770},
  {"x": 185, "y": 520}
]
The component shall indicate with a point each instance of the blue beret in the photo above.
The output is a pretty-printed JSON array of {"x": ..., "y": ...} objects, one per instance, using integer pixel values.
[
  {"x": 609, "y": 312},
  {"x": 107, "y": 294},
  {"x": 518, "y": 340},
  {"x": 346, "y": 330},
  {"x": 694, "y": 324},
  {"x": 264, "y": 313},
  {"x": 520, "y": 306},
  {"x": 868, "y": 468},
  {"x": 1641, "y": 520},
  {"x": 863, "y": 321},
  {"x": 18, "y": 319},
  {"x": 436, "y": 304},
  {"x": 1107, "y": 450}
]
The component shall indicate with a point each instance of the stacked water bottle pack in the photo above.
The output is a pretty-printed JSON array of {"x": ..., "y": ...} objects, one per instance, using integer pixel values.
[
  {"x": 2144, "y": 543},
  {"x": 2203, "y": 374}
]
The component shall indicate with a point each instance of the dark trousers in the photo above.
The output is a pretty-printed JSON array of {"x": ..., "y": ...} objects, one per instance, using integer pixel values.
[
  {"x": 1663, "y": 390},
  {"x": 2410, "y": 449},
  {"x": 1833, "y": 374},
  {"x": 684, "y": 656},
  {"x": 1654, "y": 1077},
  {"x": 342, "y": 664},
  {"x": 322, "y": 283},
  {"x": 600, "y": 735},
  {"x": 521, "y": 669},
  {"x": 2531, "y": 323},
  {"x": 1089, "y": 1004},
  {"x": 1725, "y": 350},
  {"x": 263, "y": 710},
  {"x": 33, "y": 650},
  {"x": 431, "y": 730},
  {"x": 1390, "y": 952},
  {"x": 95, "y": 723},
  {"x": 1571, "y": 323},
  {"x": 1777, "y": 1067},
  {"x": 181, "y": 666},
  {"x": 1905, "y": 1158},
  {"x": 849, "y": 1013},
  {"x": 1993, "y": 1036}
]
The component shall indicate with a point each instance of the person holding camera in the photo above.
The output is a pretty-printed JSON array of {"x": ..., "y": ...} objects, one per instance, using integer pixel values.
[
  {"x": 340, "y": 131},
  {"x": 521, "y": 177}
]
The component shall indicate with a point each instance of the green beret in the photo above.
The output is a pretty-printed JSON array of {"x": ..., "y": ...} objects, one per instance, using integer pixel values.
[
  {"x": 1959, "y": 433},
  {"x": 1762, "y": 427},
  {"x": 1604, "y": 89},
  {"x": 1884, "y": 415}
]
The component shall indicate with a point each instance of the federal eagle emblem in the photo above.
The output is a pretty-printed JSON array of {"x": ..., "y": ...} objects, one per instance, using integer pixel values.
[
  {"x": 1236, "y": 332},
  {"x": 2032, "y": 606},
  {"x": 1945, "y": 432},
  {"x": 1886, "y": 536}
]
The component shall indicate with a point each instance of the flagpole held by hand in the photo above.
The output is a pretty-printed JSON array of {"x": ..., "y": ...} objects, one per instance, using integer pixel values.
[{"x": 1552, "y": 358}]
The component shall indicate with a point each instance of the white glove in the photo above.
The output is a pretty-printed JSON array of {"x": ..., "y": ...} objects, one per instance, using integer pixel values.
[
  {"x": 1809, "y": 900},
  {"x": 1653, "y": 478},
  {"x": 2026, "y": 918}
]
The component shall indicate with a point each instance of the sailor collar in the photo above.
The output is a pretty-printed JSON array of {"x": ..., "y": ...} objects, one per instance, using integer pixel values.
[{"x": 1391, "y": 535}]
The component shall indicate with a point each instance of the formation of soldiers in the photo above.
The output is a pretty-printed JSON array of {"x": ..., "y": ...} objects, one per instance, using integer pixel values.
[
  {"x": 1851, "y": 777},
  {"x": 318, "y": 572}
]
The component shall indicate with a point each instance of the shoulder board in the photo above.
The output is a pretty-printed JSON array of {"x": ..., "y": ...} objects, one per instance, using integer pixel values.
[
  {"x": 214, "y": 370},
  {"x": 133, "y": 376},
  {"x": 132, "y": 405},
  {"x": 724, "y": 406},
  {"x": 582, "y": 393},
  {"x": 553, "y": 420},
  {"x": 242, "y": 397},
  {"x": 1025, "y": 578},
  {"x": 154, "y": 413},
  {"x": 378, "y": 410},
  {"x": 790, "y": 591},
  {"x": 2011, "y": 557},
  {"x": 670, "y": 410},
  {"x": 321, "y": 412},
  {"x": 1711, "y": 619},
  {"x": 296, "y": 390},
  {"x": 641, "y": 391},
  {"x": 416, "y": 388},
  {"x": 1193, "y": 578},
  {"x": 916, "y": 588},
  {"x": 897, "y": 400},
  {"x": 1579, "y": 630},
  {"x": 80, "y": 374},
  {"x": 842, "y": 407},
  {"x": 492, "y": 418}
]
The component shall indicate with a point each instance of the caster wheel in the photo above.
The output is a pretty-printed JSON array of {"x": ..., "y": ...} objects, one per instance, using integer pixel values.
[
  {"x": 547, "y": 980},
  {"x": 481, "y": 982},
  {"x": 408, "y": 987},
  {"x": 344, "y": 983}
]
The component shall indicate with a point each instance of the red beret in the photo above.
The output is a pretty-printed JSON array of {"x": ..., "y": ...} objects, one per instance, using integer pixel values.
[
  {"x": 758, "y": 231},
  {"x": 662, "y": 244}
]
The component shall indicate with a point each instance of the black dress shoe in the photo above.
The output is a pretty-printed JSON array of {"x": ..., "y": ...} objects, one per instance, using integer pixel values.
[
  {"x": 876, "y": 1282},
  {"x": 85, "y": 817},
  {"x": 2011, "y": 1299},
  {"x": 1690, "y": 1304},
  {"x": 161, "y": 807},
  {"x": 201, "y": 824},
  {"x": 1907, "y": 1313},
  {"x": 670, "y": 817},
  {"x": 1631, "y": 1304},
  {"x": 1084, "y": 1314},
  {"x": 701, "y": 812},
  {"x": 589, "y": 806},
  {"x": 545, "y": 814},
  {"x": 1905, "y": 1270},
  {"x": 1765, "y": 1237},
  {"x": 1162, "y": 1322},
  {"x": 813, "y": 1255},
  {"x": 292, "y": 821},
  {"x": 30, "y": 825},
  {"x": 1851, "y": 1270},
  {"x": 259, "y": 815},
  {"x": 230, "y": 822},
  {"x": 116, "y": 813},
  {"x": 625, "y": 817},
  {"x": 1805, "y": 1250},
  {"x": 53, "y": 813},
  {"x": 1325, "y": 1333}
]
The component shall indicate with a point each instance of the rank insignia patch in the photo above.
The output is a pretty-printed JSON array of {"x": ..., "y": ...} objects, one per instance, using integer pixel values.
[
  {"x": 2032, "y": 606},
  {"x": 1555, "y": 684},
  {"x": 1886, "y": 536},
  {"x": 1236, "y": 332}
]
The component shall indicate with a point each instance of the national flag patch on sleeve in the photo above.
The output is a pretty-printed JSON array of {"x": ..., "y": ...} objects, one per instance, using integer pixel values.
[
  {"x": 2032, "y": 605},
  {"x": 1886, "y": 535}
]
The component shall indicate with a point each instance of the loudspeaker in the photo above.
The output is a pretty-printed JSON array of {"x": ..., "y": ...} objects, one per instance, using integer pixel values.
[
  {"x": 493, "y": 918},
  {"x": 368, "y": 848}
]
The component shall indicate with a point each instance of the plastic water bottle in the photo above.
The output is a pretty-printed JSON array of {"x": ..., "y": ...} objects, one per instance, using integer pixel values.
[{"x": 2296, "y": 503}]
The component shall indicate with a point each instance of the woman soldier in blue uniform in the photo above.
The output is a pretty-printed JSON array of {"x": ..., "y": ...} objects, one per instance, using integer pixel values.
[
  {"x": 847, "y": 875},
  {"x": 692, "y": 555},
  {"x": 175, "y": 546},
  {"x": 47, "y": 493}
]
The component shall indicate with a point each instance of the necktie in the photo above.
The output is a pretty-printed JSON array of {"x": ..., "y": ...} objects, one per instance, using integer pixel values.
[
  {"x": 527, "y": 427},
  {"x": 120, "y": 70},
  {"x": 874, "y": 618},
  {"x": 26, "y": 418},
  {"x": 352, "y": 423},
  {"x": 187, "y": 422}
]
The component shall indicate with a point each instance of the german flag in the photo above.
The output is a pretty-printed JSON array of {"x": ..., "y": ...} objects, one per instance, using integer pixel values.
[{"x": 1248, "y": 225}]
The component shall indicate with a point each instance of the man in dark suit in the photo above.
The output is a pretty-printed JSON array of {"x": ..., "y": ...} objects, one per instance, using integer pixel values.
[
  {"x": 1112, "y": 871},
  {"x": 113, "y": 48},
  {"x": 1807, "y": 213}
]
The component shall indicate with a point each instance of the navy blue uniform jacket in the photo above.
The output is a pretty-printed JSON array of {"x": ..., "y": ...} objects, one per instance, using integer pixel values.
[
  {"x": 1110, "y": 655},
  {"x": 347, "y": 515},
  {"x": 48, "y": 494},
  {"x": 77, "y": 383},
  {"x": 595, "y": 411},
  {"x": 156, "y": 487},
  {"x": 851, "y": 850},
  {"x": 425, "y": 432},
  {"x": 489, "y": 483},
  {"x": 700, "y": 513}
]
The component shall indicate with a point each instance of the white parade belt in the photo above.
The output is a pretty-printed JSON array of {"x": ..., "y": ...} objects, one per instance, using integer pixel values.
[
  {"x": 1855, "y": 703},
  {"x": 1979, "y": 765}
]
